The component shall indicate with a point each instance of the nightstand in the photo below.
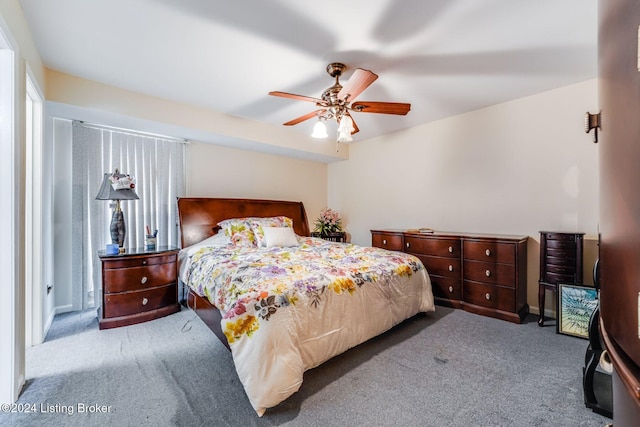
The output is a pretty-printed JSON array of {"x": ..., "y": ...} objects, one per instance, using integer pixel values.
[
  {"x": 138, "y": 285},
  {"x": 332, "y": 237}
]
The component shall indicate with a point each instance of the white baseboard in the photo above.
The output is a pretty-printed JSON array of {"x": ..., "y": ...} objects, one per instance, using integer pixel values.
[
  {"x": 48, "y": 323},
  {"x": 63, "y": 309}
]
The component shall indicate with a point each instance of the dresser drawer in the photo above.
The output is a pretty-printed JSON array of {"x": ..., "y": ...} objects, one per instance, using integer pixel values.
[
  {"x": 448, "y": 267},
  {"x": 489, "y": 296},
  {"x": 559, "y": 258},
  {"x": 135, "y": 278},
  {"x": 432, "y": 246},
  {"x": 446, "y": 287},
  {"x": 568, "y": 245},
  {"x": 489, "y": 251},
  {"x": 554, "y": 279},
  {"x": 127, "y": 303},
  {"x": 390, "y": 241},
  {"x": 138, "y": 261},
  {"x": 559, "y": 237},
  {"x": 560, "y": 269},
  {"x": 489, "y": 272}
]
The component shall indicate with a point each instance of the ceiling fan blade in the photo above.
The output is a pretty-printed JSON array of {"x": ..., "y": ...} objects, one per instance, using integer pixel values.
[
  {"x": 381, "y": 107},
  {"x": 298, "y": 97},
  {"x": 359, "y": 81},
  {"x": 305, "y": 117}
]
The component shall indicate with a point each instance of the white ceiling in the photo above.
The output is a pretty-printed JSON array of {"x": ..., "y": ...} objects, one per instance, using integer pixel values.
[{"x": 445, "y": 57}]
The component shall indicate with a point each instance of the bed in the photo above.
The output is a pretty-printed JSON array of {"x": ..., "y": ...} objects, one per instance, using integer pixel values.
[{"x": 284, "y": 302}]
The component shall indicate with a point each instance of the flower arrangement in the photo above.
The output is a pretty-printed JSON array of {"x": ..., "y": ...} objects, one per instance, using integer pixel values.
[{"x": 328, "y": 222}]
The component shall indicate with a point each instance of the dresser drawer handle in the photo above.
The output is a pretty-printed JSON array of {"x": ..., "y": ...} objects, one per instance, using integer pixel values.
[
  {"x": 488, "y": 252},
  {"x": 451, "y": 268},
  {"x": 143, "y": 280},
  {"x": 384, "y": 241},
  {"x": 145, "y": 301},
  {"x": 451, "y": 289},
  {"x": 487, "y": 273},
  {"x": 487, "y": 296},
  {"x": 408, "y": 244},
  {"x": 144, "y": 262},
  {"x": 451, "y": 249}
]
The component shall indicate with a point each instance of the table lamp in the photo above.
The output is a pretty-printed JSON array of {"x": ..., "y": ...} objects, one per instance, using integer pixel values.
[{"x": 117, "y": 186}]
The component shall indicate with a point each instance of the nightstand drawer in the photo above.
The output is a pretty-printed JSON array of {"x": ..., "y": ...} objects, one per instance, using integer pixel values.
[
  {"x": 140, "y": 261},
  {"x": 489, "y": 251},
  {"x": 127, "y": 303},
  {"x": 489, "y": 296},
  {"x": 136, "y": 278},
  {"x": 432, "y": 246},
  {"x": 448, "y": 267},
  {"x": 488, "y": 272}
]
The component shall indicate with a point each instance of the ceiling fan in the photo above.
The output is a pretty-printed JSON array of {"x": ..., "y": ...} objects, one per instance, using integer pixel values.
[{"x": 337, "y": 103}]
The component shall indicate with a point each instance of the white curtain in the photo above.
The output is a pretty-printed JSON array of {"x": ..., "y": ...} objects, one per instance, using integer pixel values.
[{"x": 157, "y": 166}]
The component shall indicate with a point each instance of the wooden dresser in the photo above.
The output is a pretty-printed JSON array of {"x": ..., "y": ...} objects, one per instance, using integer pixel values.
[
  {"x": 483, "y": 274},
  {"x": 138, "y": 286}
]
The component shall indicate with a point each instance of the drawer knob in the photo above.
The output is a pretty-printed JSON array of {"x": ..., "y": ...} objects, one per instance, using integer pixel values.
[
  {"x": 487, "y": 273},
  {"x": 488, "y": 252},
  {"x": 451, "y": 249},
  {"x": 451, "y": 289},
  {"x": 143, "y": 280},
  {"x": 144, "y": 262},
  {"x": 384, "y": 241},
  {"x": 487, "y": 296},
  {"x": 408, "y": 244},
  {"x": 145, "y": 301},
  {"x": 450, "y": 267}
]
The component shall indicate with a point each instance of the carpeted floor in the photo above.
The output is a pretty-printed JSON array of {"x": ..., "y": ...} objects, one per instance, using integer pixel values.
[{"x": 448, "y": 368}]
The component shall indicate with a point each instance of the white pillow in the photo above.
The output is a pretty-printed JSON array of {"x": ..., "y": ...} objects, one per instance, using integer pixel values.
[
  {"x": 279, "y": 236},
  {"x": 217, "y": 240}
]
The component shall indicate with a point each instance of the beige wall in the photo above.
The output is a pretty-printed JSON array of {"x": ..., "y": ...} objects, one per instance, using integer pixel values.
[
  {"x": 514, "y": 168},
  {"x": 80, "y": 99},
  {"x": 214, "y": 171}
]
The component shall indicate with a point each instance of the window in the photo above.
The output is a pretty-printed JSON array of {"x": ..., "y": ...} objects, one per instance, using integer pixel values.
[{"x": 157, "y": 165}]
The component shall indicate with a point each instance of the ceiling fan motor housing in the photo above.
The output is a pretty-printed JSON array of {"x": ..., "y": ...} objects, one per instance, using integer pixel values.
[{"x": 335, "y": 69}]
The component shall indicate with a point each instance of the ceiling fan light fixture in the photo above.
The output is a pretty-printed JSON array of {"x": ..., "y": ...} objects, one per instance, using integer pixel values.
[
  {"x": 319, "y": 130},
  {"x": 345, "y": 129}
]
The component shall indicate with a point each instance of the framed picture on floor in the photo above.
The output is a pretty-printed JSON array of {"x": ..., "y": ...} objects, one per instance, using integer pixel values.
[{"x": 575, "y": 306}]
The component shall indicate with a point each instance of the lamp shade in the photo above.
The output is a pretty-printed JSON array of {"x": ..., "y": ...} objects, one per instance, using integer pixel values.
[
  {"x": 107, "y": 192},
  {"x": 345, "y": 128},
  {"x": 319, "y": 130}
]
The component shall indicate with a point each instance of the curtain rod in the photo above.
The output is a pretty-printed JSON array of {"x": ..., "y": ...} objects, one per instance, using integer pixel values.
[{"x": 130, "y": 131}]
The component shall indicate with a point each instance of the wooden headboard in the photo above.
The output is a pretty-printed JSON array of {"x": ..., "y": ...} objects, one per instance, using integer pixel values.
[{"x": 199, "y": 216}]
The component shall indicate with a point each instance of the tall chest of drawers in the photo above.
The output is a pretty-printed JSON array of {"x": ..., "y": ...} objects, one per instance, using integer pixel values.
[
  {"x": 483, "y": 274},
  {"x": 560, "y": 262},
  {"x": 138, "y": 286}
]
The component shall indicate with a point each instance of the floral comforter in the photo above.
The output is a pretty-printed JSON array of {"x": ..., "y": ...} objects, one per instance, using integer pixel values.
[{"x": 288, "y": 309}]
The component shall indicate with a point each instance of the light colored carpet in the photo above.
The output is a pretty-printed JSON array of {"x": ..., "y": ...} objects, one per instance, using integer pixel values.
[{"x": 449, "y": 368}]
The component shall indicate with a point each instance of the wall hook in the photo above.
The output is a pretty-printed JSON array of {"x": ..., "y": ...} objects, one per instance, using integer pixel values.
[{"x": 592, "y": 121}]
